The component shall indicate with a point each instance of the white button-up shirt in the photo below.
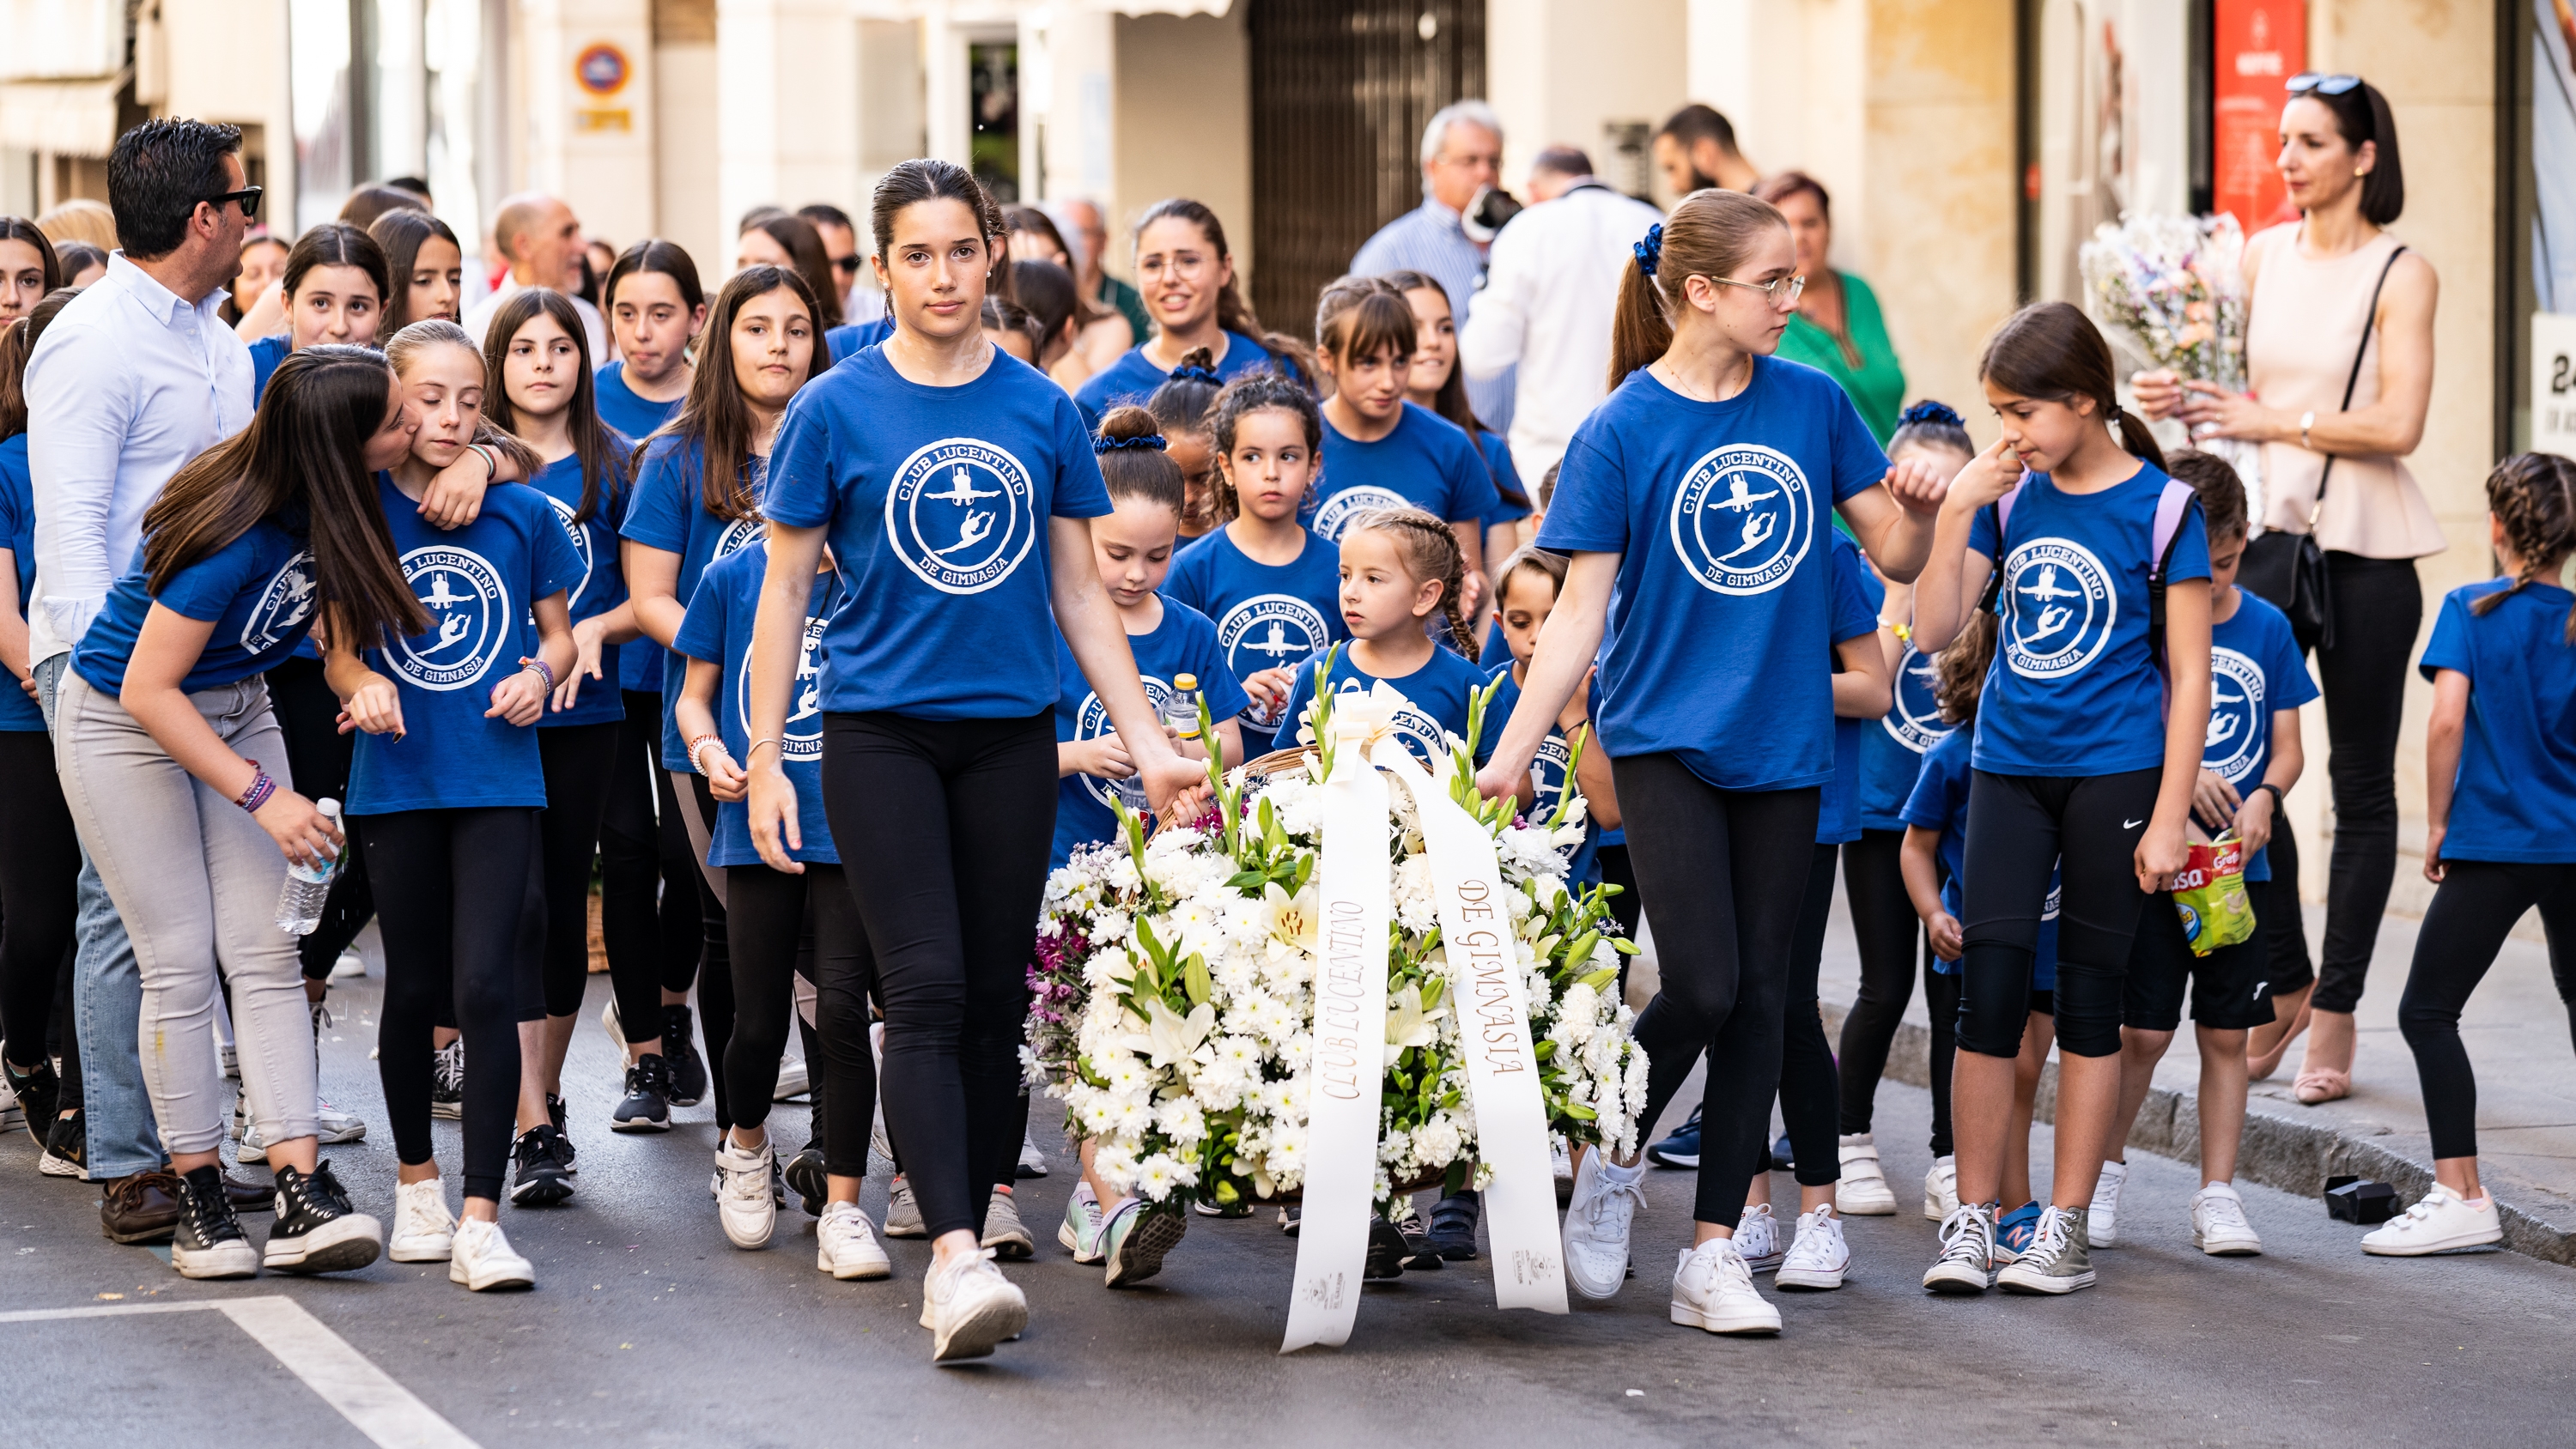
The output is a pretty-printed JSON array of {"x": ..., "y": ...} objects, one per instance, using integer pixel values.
[
  {"x": 1551, "y": 285},
  {"x": 127, "y": 385},
  {"x": 1429, "y": 239}
]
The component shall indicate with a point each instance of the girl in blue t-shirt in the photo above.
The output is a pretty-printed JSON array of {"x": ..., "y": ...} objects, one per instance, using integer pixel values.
[
  {"x": 697, "y": 498},
  {"x": 1440, "y": 385},
  {"x": 2499, "y": 821},
  {"x": 1694, "y": 504},
  {"x": 2087, "y": 746},
  {"x": 335, "y": 285},
  {"x": 1271, "y": 584},
  {"x": 445, "y": 791},
  {"x": 953, "y": 485},
  {"x": 161, "y": 728},
  {"x": 1181, "y": 407},
  {"x": 1186, "y": 276},
  {"x": 1400, "y": 567},
  {"x": 656, "y": 309},
  {"x": 539, "y": 354}
]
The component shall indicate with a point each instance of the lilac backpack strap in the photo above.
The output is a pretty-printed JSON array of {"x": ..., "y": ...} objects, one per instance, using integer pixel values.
[{"x": 2170, "y": 508}]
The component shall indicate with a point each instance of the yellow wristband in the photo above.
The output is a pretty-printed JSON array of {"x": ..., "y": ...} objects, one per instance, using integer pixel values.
[{"x": 1903, "y": 631}]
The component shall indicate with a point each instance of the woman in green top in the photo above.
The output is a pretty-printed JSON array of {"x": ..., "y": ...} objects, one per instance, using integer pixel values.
[{"x": 1838, "y": 328}]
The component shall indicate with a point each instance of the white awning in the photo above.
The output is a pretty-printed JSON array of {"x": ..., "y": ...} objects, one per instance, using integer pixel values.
[
  {"x": 70, "y": 117},
  {"x": 1160, "y": 7},
  {"x": 61, "y": 39}
]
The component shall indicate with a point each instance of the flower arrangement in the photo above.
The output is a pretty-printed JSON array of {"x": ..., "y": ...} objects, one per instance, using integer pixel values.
[
  {"x": 2169, "y": 287},
  {"x": 1172, "y": 992}
]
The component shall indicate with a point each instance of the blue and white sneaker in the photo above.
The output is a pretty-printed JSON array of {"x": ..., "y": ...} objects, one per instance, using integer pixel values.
[
  {"x": 2013, "y": 1232},
  {"x": 1681, "y": 1149}
]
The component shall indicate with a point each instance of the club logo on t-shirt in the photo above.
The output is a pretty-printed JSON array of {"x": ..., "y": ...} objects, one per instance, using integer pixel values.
[
  {"x": 803, "y": 737},
  {"x": 1548, "y": 775},
  {"x": 2235, "y": 739},
  {"x": 961, "y": 514},
  {"x": 286, "y": 602},
  {"x": 469, "y": 618},
  {"x": 1093, "y": 722},
  {"x": 1743, "y": 519},
  {"x": 1335, "y": 513},
  {"x": 1915, "y": 721},
  {"x": 2061, "y": 608},
  {"x": 579, "y": 537},
  {"x": 738, "y": 533},
  {"x": 1269, "y": 631}
]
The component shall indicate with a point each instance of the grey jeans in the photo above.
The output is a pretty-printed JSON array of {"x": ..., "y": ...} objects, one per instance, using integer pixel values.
[{"x": 196, "y": 880}]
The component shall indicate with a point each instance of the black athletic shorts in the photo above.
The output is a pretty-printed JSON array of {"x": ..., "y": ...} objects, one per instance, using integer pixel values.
[{"x": 2229, "y": 989}]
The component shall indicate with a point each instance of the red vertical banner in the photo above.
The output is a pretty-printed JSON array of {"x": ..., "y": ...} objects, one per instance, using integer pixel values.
[{"x": 2258, "y": 44}]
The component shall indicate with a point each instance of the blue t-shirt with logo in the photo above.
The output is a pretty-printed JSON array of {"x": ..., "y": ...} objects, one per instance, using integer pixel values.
[
  {"x": 1498, "y": 466},
  {"x": 1891, "y": 752},
  {"x": 1716, "y": 649},
  {"x": 1426, "y": 463},
  {"x": 1940, "y": 802},
  {"x": 845, "y": 341},
  {"x": 2255, "y": 670},
  {"x": 2516, "y": 790},
  {"x": 265, "y": 355},
  {"x": 601, "y": 585},
  {"x": 480, "y": 584},
  {"x": 1134, "y": 376},
  {"x": 18, "y": 711},
  {"x": 1439, "y": 691},
  {"x": 938, "y": 501},
  {"x": 1185, "y": 642},
  {"x": 718, "y": 630},
  {"x": 1266, "y": 617},
  {"x": 622, "y": 409},
  {"x": 1857, "y": 596},
  {"x": 667, "y": 512},
  {"x": 1551, "y": 775},
  {"x": 2074, "y": 689},
  {"x": 258, "y": 591}
]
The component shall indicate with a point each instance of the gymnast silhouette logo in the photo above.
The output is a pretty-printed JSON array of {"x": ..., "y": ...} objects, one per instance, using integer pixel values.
[
  {"x": 1334, "y": 516},
  {"x": 1915, "y": 720},
  {"x": 1092, "y": 721},
  {"x": 1743, "y": 519},
  {"x": 578, "y": 535},
  {"x": 803, "y": 737},
  {"x": 1269, "y": 631},
  {"x": 2235, "y": 741},
  {"x": 1548, "y": 775},
  {"x": 286, "y": 602},
  {"x": 961, "y": 514},
  {"x": 2059, "y": 608},
  {"x": 470, "y": 619}
]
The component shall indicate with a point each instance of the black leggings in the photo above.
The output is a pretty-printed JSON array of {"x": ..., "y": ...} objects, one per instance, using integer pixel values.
[
  {"x": 2285, "y": 928},
  {"x": 781, "y": 927},
  {"x": 454, "y": 899},
  {"x": 715, "y": 984},
  {"x": 1809, "y": 1090},
  {"x": 577, "y": 761},
  {"x": 39, "y": 864},
  {"x": 2019, "y": 826},
  {"x": 308, "y": 715},
  {"x": 2378, "y": 605},
  {"x": 650, "y": 921},
  {"x": 2472, "y": 912},
  {"x": 944, "y": 827},
  {"x": 1725, "y": 872},
  {"x": 1887, "y": 931}
]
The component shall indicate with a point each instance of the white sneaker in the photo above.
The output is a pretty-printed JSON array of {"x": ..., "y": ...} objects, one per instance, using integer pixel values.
[
  {"x": 1004, "y": 1233},
  {"x": 847, "y": 1244},
  {"x": 1606, "y": 1200},
  {"x": 231, "y": 1062},
  {"x": 1080, "y": 1230},
  {"x": 2218, "y": 1225},
  {"x": 1713, "y": 1289},
  {"x": 338, "y": 1126},
  {"x": 1967, "y": 1261},
  {"x": 424, "y": 1230},
  {"x": 482, "y": 1259},
  {"x": 1863, "y": 1190},
  {"x": 744, "y": 1200},
  {"x": 1818, "y": 1257},
  {"x": 903, "y": 1213},
  {"x": 349, "y": 967},
  {"x": 1033, "y": 1163},
  {"x": 1757, "y": 1238},
  {"x": 2100, "y": 1220},
  {"x": 968, "y": 1306},
  {"x": 1941, "y": 1189},
  {"x": 2441, "y": 1221},
  {"x": 795, "y": 1079}
]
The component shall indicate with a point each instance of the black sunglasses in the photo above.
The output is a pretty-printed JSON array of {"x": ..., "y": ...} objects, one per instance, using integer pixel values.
[
  {"x": 248, "y": 196},
  {"x": 848, "y": 265},
  {"x": 2324, "y": 85}
]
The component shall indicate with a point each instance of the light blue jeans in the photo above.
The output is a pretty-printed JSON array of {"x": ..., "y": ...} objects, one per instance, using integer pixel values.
[{"x": 107, "y": 1011}]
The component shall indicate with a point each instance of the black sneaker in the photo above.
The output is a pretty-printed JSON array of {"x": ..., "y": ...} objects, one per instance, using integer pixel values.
[
  {"x": 207, "y": 1241},
  {"x": 563, "y": 1140},
  {"x": 1681, "y": 1149},
  {"x": 813, "y": 1185},
  {"x": 39, "y": 1096},
  {"x": 316, "y": 1232},
  {"x": 647, "y": 1107},
  {"x": 1387, "y": 1250},
  {"x": 1289, "y": 1217},
  {"x": 1419, "y": 1255},
  {"x": 688, "y": 1069},
  {"x": 447, "y": 1081},
  {"x": 66, "y": 1147},
  {"x": 540, "y": 1178},
  {"x": 1452, "y": 1234}
]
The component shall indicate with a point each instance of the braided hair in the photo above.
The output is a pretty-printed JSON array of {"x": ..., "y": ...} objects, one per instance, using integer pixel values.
[
  {"x": 2533, "y": 495},
  {"x": 1430, "y": 551}
]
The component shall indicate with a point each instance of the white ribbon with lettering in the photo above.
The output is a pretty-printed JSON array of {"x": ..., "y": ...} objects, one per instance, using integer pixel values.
[
  {"x": 1492, "y": 1011},
  {"x": 1355, "y": 899}
]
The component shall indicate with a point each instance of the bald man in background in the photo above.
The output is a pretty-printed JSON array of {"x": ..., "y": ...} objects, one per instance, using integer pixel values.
[{"x": 541, "y": 239}]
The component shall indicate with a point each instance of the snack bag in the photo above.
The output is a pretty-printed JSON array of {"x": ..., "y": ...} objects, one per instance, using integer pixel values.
[{"x": 2209, "y": 893}]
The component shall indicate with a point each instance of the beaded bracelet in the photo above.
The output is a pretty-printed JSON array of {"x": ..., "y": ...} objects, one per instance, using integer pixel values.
[
  {"x": 701, "y": 742},
  {"x": 544, "y": 671},
  {"x": 261, "y": 787}
]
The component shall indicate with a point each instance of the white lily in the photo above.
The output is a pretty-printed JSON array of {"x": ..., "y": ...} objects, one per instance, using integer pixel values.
[
  {"x": 1407, "y": 1024},
  {"x": 1290, "y": 920},
  {"x": 1169, "y": 1036}
]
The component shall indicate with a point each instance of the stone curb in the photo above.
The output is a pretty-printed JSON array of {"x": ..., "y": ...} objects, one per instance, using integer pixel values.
[{"x": 2280, "y": 1152}]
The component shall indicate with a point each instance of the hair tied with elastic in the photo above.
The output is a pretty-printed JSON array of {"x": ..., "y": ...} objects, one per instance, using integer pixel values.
[
  {"x": 1111, "y": 445},
  {"x": 1651, "y": 250},
  {"x": 1187, "y": 373},
  {"x": 1928, "y": 411}
]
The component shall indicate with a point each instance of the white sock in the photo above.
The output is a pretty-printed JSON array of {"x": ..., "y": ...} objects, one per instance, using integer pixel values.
[{"x": 1623, "y": 1174}]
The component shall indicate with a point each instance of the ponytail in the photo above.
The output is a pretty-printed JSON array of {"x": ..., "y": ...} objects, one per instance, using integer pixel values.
[
  {"x": 1638, "y": 332},
  {"x": 2135, "y": 437},
  {"x": 1709, "y": 234}
]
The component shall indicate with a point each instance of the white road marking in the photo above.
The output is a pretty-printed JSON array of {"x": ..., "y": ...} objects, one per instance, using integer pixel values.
[{"x": 365, "y": 1395}]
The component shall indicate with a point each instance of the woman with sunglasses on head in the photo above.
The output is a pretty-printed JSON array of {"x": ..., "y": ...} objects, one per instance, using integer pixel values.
[{"x": 2339, "y": 352}]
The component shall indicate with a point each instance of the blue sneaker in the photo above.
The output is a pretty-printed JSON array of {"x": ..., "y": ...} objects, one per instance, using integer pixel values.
[
  {"x": 2014, "y": 1231},
  {"x": 1680, "y": 1149}
]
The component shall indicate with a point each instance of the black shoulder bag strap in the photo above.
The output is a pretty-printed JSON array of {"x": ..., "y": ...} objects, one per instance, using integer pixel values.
[{"x": 2312, "y": 559}]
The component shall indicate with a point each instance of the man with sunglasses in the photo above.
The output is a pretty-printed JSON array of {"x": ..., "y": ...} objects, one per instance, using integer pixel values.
[{"x": 136, "y": 377}]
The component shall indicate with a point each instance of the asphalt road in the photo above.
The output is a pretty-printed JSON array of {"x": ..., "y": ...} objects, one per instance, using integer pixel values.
[{"x": 648, "y": 1328}]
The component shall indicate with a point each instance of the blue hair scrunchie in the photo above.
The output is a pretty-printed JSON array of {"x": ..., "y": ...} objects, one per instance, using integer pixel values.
[
  {"x": 1651, "y": 250},
  {"x": 1186, "y": 373},
  {"x": 1928, "y": 411},
  {"x": 1111, "y": 445}
]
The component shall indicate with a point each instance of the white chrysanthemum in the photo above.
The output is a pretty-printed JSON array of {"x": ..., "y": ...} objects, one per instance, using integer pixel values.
[
  {"x": 1114, "y": 1163},
  {"x": 1437, "y": 1143},
  {"x": 1181, "y": 1120}
]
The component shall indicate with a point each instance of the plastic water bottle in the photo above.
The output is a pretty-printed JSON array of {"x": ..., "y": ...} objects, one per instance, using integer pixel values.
[
  {"x": 299, "y": 902},
  {"x": 1181, "y": 711}
]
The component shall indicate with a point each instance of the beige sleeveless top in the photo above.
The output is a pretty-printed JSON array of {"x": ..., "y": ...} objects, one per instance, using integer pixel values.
[{"x": 2304, "y": 321}]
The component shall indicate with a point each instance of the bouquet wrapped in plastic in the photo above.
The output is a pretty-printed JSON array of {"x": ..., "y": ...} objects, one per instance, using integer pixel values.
[{"x": 2170, "y": 291}]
